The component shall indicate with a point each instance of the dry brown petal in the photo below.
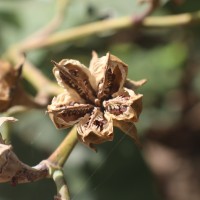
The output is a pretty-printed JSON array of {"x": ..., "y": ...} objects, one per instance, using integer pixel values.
[
  {"x": 97, "y": 67},
  {"x": 127, "y": 106},
  {"x": 66, "y": 110},
  {"x": 110, "y": 73},
  {"x": 134, "y": 85},
  {"x": 74, "y": 76},
  {"x": 95, "y": 128},
  {"x": 129, "y": 129}
]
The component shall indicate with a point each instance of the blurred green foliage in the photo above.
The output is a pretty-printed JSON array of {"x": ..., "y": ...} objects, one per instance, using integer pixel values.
[{"x": 118, "y": 171}]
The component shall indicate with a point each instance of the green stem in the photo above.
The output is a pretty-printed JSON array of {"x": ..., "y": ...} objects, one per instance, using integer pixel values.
[
  {"x": 30, "y": 72},
  {"x": 60, "y": 155},
  {"x": 112, "y": 24},
  {"x": 61, "y": 6},
  {"x": 62, "y": 190}
]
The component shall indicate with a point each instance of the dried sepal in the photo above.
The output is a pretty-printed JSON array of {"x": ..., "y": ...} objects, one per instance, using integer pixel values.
[
  {"x": 110, "y": 73},
  {"x": 134, "y": 85},
  {"x": 95, "y": 128},
  {"x": 126, "y": 106},
  {"x": 66, "y": 110},
  {"x": 129, "y": 129},
  {"x": 74, "y": 76}
]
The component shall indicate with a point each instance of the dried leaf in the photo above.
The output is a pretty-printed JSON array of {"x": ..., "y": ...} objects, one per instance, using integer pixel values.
[{"x": 14, "y": 171}]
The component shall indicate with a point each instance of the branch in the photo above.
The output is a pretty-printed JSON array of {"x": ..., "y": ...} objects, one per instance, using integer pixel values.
[
  {"x": 62, "y": 190},
  {"x": 112, "y": 24},
  {"x": 41, "y": 83},
  {"x": 14, "y": 171},
  {"x": 153, "y": 4},
  {"x": 61, "y": 6}
]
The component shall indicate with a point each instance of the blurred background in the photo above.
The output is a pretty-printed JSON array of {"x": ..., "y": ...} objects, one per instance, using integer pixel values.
[{"x": 167, "y": 167}]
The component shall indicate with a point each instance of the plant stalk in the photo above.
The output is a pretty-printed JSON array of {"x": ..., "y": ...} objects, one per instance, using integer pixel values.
[{"x": 60, "y": 155}]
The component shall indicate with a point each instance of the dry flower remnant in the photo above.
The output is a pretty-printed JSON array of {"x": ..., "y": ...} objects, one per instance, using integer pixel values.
[
  {"x": 12, "y": 92},
  {"x": 95, "y": 99},
  {"x": 9, "y": 78}
]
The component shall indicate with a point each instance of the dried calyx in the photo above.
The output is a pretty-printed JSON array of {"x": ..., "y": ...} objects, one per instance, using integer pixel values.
[{"x": 95, "y": 98}]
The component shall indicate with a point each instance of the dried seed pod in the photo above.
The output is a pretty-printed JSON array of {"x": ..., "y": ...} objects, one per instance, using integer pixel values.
[
  {"x": 73, "y": 75},
  {"x": 126, "y": 106},
  {"x": 110, "y": 73},
  {"x": 95, "y": 128},
  {"x": 66, "y": 110},
  {"x": 100, "y": 97}
]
